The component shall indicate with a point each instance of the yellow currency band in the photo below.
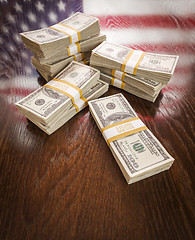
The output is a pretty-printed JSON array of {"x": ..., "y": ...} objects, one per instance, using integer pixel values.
[
  {"x": 138, "y": 63},
  {"x": 70, "y": 38},
  {"x": 122, "y": 85},
  {"x": 65, "y": 93},
  {"x": 113, "y": 74},
  {"x": 126, "y": 60},
  {"x": 118, "y": 123},
  {"x": 78, "y": 33},
  {"x": 123, "y": 76},
  {"x": 122, "y": 134},
  {"x": 85, "y": 100},
  {"x": 78, "y": 49},
  {"x": 70, "y": 84},
  {"x": 68, "y": 49},
  {"x": 112, "y": 81},
  {"x": 85, "y": 62},
  {"x": 77, "y": 108},
  {"x": 82, "y": 56},
  {"x": 73, "y": 56},
  {"x": 86, "y": 104}
]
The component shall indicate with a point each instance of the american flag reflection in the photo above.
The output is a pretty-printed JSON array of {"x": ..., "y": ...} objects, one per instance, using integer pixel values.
[{"x": 155, "y": 26}]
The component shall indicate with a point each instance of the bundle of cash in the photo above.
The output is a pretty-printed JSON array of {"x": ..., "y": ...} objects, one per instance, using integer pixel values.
[
  {"x": 155, "y": 67},
  {"x": 150, "y": 87},
  {"x": 137, "y": 151},
  {"x": 56, "y": 46},
  {"x": 49, "y": 76},
  {"x": 59, "y": 94},
  {"x": 130, "y": 88},
  {"x": 97, "y": 90},
  {"x": 53, "y": 40},
  {"x": 83, "y": 46},
  {"x": 48, "y": 71},
  {"x": 48, "y": 68}
]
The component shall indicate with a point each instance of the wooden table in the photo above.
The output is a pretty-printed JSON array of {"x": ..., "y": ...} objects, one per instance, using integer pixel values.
[{"x": 68, "y": 185}]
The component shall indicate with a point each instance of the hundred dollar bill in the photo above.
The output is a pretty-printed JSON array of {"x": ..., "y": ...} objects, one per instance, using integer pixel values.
[
  {"x": 98, "y": 89},
  {"x": 148, "y": 86},
  {"x": 60, "y": 93},
  {"x": 73, "y": 29},
  {"x": 48, "y": 71},
  {"x": 129, "y": 88},
  {"x": 49, "y": 76},
  {"x": 78, "y": 21},
  {"x": 137, "y": 151},
  {"x": 156, "y": 67},
  {"x": 82, "y": 46}
]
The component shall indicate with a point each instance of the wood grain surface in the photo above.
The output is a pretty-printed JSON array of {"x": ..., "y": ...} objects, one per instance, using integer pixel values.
[{"x": 68, "y": 185}]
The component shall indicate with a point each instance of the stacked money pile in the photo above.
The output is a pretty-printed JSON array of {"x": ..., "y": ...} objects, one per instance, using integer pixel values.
[
  {"x": 48, "y": 71},
  {"x": 137, "y": 151},
  {"x": 140, "y": 73},
  {"x": 56, "y": 46},
  {"x": 53, "y": 104}
]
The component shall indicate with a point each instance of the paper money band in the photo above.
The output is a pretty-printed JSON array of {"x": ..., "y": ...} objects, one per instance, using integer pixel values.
[
  {"x": 117, "y": 83},
  {"x": 73, "y": 49},
  {"x": 69, "y": 84},
  {"x": 68, "y": 89},
  {"x": 132, "y": 61},
  {"x": 80, "y": 104},
  {"x": 122, "y": 129},
  {"x": 118, "y": 74},
  {"x": 74, "y": 34},
  {"x": 78, "y": 56},
  {"x": 84, "y": 62}
]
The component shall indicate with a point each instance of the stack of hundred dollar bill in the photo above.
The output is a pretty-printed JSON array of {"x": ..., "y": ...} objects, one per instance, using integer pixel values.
[
  {"x": 137, "y": 151},
  {"x": 140, "y": 73},
  {"x": 56, "y": 46},
  {"x": 53, "y": 104}
]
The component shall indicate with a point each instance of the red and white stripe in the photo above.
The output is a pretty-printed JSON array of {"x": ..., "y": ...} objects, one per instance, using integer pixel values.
[
  {"x": 153, "y": 26},
  {"x": 147, "y": 24},
  {"x": 166, "y": 26},
  {"x": 141, "y": 7},
  {"x": 20, "y": 87}
]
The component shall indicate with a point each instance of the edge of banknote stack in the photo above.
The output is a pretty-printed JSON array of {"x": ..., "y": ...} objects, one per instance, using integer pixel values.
[
  {"x": 137, "y": 151},
  {"x": 53, "y": 104},
  {"x": 137, "y": 72},
  {"x": 56, "y": 46}
]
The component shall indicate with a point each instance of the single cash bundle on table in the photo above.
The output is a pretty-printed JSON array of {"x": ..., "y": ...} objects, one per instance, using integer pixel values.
[
  {"x": 53, "y": 104},
  {"x": 140, "y": 73},
  {"x": 56, "y": 46},
  {"x": 137, "y": 151}
]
